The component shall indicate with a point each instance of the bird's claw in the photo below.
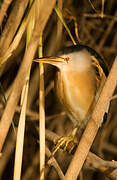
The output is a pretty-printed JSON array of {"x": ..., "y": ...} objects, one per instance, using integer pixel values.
[{"x": 67, "y": 143}]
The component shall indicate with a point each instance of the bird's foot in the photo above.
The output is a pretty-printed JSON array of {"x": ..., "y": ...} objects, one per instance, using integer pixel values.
[{"x": 67, "y": 143}]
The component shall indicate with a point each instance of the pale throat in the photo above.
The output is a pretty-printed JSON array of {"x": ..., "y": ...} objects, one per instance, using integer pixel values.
[{"x": 78, "y": 61}]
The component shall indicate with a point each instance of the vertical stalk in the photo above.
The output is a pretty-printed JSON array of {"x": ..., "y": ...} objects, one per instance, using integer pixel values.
[
  {"x": 24, "y": 96},
  {"x": 41, "y": 115}
]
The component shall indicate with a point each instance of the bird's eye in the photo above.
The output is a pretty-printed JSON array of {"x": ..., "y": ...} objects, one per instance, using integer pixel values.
[{"x": 67, "y": 59}]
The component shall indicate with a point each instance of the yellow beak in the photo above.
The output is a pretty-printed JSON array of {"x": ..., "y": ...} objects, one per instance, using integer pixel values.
[{"x": 51, "y": 60}]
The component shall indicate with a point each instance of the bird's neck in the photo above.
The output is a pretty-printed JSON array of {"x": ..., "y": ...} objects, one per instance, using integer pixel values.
[{"x": 79, "y": 90}]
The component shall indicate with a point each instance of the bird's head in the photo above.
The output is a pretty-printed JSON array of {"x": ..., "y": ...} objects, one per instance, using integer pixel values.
[{"x": 74, "y": 61}]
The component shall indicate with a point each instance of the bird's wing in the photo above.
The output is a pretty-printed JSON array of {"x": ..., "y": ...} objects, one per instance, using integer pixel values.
[
  {"x": 100, "y": 75},
  {"x": 100, "y": 81}
]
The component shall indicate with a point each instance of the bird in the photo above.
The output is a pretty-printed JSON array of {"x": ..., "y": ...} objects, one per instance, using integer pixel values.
[{"x": 79, "y": 80}]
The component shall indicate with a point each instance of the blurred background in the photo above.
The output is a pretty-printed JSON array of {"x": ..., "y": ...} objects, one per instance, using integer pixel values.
[{"x": 92, "y": 23}]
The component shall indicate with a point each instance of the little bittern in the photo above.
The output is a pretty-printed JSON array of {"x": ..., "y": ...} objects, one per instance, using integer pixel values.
[{"x": 80, "y": 79}]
